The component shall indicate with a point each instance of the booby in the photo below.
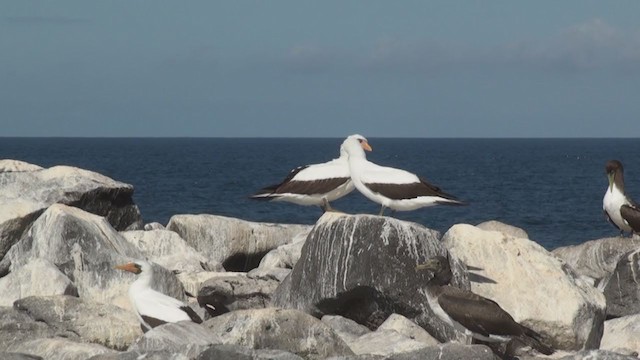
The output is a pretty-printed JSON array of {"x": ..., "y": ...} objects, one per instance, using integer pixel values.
[
  {"x": 154, "y": 308},
  {"x": 619, "y": 209},
  {"x": 316, "y": 184},
  {"x": 472, "y": 314},
  {"x": 390, "y": 187}
]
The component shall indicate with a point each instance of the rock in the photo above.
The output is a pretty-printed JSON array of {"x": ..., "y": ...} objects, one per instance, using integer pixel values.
[
  {"x": 147, "y": 355},
  {"x": 59, "y": 349},
  {"x": 168, "y": 249},
  {"x": 288, "y": 330},
  {"x": 18, "y": 356},
  {"x": 184, "y": 337},
  {"x": 571, "y": 313},
  {"x": 408, "y": 328},
  {"x": 621, "y": 288},
  {"x": 597, "y": 355},
  {"x": 154, "y": 226},
  {"x": 192, "y": 281},
  {"x": 8, "y": 165},
  {"x": 363, "y": 267},
  {"x": 103, "y": 324},
  {"x": 285, "y": 256},
  {"x": 239, "y": 245},
  {"x": 347, "y": 329},
  {"x": 385, "y": 343},
  {"x": 507, "y": 229},
  {"x": 235, "y": 292},
  {"x": 25, "y": 195},
  {"x": 38, "y": 277},
  {"x": 277, "y": 274},
  {"x": 236, "y": 352},
  {"x": 85, "y": 248},
  {"x": 622, "y": 333},
  {"x": 596, "y": 258},
  {"x": 449, "y": 351},
  {"x": 17, "y": 327}
]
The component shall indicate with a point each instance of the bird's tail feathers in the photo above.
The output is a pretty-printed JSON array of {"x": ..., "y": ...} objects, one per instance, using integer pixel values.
[
  {"x": 453, "y": 202},
  {"x": 535, "y": 340},
  {"x": 266, "y": 194}
]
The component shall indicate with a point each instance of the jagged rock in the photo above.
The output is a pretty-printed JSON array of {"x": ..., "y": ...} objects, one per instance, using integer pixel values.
[
  {"x": 622, "y": 333},
  {"x": 38, "y": 277},
  {"x": 363, "y": 267},
  {"x": 16, "y": 327},
  {"x": 184, "y": 337},
  {"x": 236, "y": 352},
  {"x": 621, "y": 288},
  {"x": 570, "y": 315},
  {"x": 192, "y": 281},
  {"x": 408, "y": 328},
  {"x": 8, "y": 165},
  {"x": 25, "y": 195},
  {"x": 278, "y": 274},
  {"x": 18, "y": 356},
  {"x": 510, "y": 230},
  {"x": 59, "y": 349},
  {"x": 168, "y": 249},
  {"x": 147, "y": 355},
  {"x": 596, "y": 258},
  {"x": 154, "y": 226},
  {"x": 449, "y": 351},
  {"x": 597, "y": 355},
  {"x": 103, "y": 324},
  {"x": 85, "y": 248},
  {"x": 283, "y": 329},
  {"x": 239, "y": 245},
  {"x": 285, "y": 256},
  {"x": 347, "y": 329},
  {"x": 384, "y": 342},
  {"x": 235, "y": 292}
]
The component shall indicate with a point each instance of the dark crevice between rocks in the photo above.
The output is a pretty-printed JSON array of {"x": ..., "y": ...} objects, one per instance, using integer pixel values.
[
  {"x": 116, "y": 205},
  {"x": 366, "y": 306},
  {"x": 243, "y": 262}
]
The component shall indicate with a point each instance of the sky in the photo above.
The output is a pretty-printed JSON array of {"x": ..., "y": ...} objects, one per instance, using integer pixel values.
[{"x": 326, "y": 68}]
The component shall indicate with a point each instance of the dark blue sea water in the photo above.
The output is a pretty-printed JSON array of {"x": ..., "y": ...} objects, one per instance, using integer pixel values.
[{"x": 552, "y": 188}]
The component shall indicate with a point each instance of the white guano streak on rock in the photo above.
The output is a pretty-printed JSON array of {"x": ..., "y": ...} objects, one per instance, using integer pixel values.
[
  {"x": 633, "y": 268},
  {"x": 346, "y": 258}
]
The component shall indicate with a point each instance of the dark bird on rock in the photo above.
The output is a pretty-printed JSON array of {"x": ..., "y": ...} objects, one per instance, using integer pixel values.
[
  {"x": 472, "y": 314},
  {"x": 154, "y": 308},
  {"x": 618, "y": 208}
]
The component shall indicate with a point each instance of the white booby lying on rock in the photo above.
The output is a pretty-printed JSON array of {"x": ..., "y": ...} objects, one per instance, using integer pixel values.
[
  {"x": 392, "y": 188},
  {"x": 472, "y": 314},
  {"x": 621, "y": 211},
  {"x": 152, "y": 307},
  {"x": 315, "y": 184}
]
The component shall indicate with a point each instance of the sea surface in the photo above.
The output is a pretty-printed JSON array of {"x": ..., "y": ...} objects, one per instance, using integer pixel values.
[{"x": 552, "y": 188}]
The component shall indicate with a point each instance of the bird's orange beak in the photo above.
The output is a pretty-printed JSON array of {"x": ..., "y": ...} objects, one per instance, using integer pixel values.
[
  {"x": 131, "y": 267},
  {"x": 365, "y": 145}
]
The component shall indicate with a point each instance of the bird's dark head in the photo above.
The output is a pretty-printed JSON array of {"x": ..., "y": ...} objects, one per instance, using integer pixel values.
[
  {"x": 435, "y": 264},
  {"x": 613, "y": 168}
]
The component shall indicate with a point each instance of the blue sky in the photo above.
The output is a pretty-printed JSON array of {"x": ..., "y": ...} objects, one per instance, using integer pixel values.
[{"x": 320, "y": 69}]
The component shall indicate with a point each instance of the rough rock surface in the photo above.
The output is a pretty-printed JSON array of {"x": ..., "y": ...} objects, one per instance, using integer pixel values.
[
  {"x": 571, "y": 313},
  {"x": 408, "y": 328},
  {"x": 184, "y": 337},
  {"x": 347, "y": 329},
  {"x": 17, "y": 356},
  {"x": 38, "y": 277},
  {"x": 622, "y": 333},
  {"x": 277, "y": 274},
  {"x": 597, "y": 258},
  {"x": 147, "y": 355},
  {"x": 510, "y": 230},
  {"x": 59, "y": 349},
  {"x": 235, "y": 292},
  {"x": 285, "y": 256},
  {"x": 154, "y": 226},
  {"x": 283, "y": 329},
  {"x": 25, "y": 195},
  {"x": 236, "y": 352},
  {"x": 621, "y": 289},
  {"x": 384, "y": 342},
  {"x": 595, "y": 355},
  {"x": 239, "y": 245},
  {"x": 85, "y": 248},
  {"x": 8, "y": 165},
  {"x": 17, "y": 327},
  {"x": 102, "y": 324},
  {"x": 363, "y": 267},
  {"x": 168, "y": 249},
  {"x": 450, "y": 351}
]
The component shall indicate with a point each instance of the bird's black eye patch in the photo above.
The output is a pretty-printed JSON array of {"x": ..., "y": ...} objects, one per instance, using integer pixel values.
[
  {"x": 360, "y": 141},
  {"x": 138, "y": 267}
]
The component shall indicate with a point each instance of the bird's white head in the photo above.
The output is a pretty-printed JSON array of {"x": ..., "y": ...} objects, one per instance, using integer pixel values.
[
  {"x": 136, "y": 267},
  {"x": 355, "y": 145}
]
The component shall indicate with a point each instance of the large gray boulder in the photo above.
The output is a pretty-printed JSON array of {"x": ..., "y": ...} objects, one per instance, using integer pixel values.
[
  {"x": 347, "y": 329},
  {"x": 103, "y": 324},
  {"x": 17, "y": 356},
  {"x": 493, "y": 225},
  {"x": 24, "y": 195},
  {"x": 408, "y": 328},
  {"x": 236, "y": 352},
  {"x": 283, "y": 329},
  {"x": 621, "y": 289},
  {"x": 85, "y": 248},
  {"x": 17, "y": 326},
  {"x": 537, "y": 288},
  {"x": 596, "y": 355},
  {"x": 622, "y": 333},
  {"x": 238, "y": 244},
  {"x": 449, "y": 351},
  {"x": 59, "y": 349},
  {"x": 597, "y": 258},
  {"x": 147, "y": 355},
  {"x": 235, "y": 291},
  {"x": 184, "y": 337},
  {"x": 39, "y": 277},
  {"x": 8, "y": 165},
  {"x": 285, "y": 256},
  {"x": 363, "y": 267},
  {"x": 385, "y": 343}
]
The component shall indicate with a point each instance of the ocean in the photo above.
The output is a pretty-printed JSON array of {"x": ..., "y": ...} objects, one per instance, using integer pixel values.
[{"x": 552, "y": 188}]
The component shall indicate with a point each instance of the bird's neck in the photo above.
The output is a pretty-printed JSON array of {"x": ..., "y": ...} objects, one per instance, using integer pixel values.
[
  {"x": 143, "y": 281},
  {"x": 618, "y": 181}
]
